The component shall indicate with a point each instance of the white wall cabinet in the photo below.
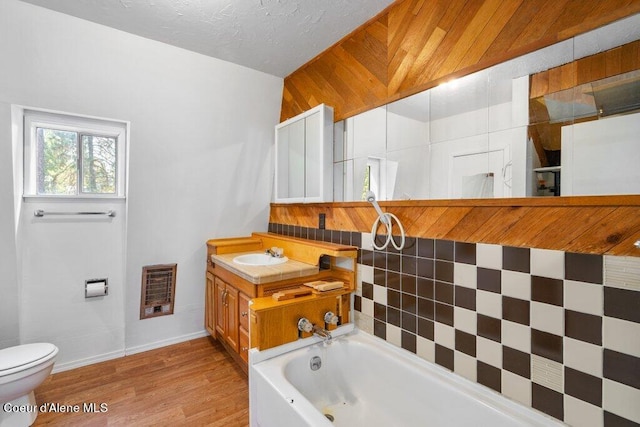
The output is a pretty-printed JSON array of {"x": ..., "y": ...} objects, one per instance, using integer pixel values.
[{"x": 304, "y": 157}]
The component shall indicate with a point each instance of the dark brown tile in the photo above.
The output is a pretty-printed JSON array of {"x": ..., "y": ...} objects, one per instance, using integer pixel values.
[
  {"x": 583, "y": 267},
  {"x": 426, "y": 308},
  {"x": 393, "y": 316},
  {"x": 583, "y": 386},
  {"x": 393, "y": 280},
  {"x": 409, "y": 265},
  {"x": 345, "y": 237},
  {"x": 357, "y": 303},
  {"x": 394, "y": 298},
  {"x": 366, "y": 257},
  {"x": 410, "y": 246},
  {"x": 409, "y": 322},
  {"x": 546, "y": 290},
  {"x": 393, "y": 262},
  {"x": 379, "y": 312},
  {"x": 425, "y": 328},
  {"x": 444, "y": 250},
  {"x": 465, "y": 298},
  {"x": 356, "y": 239},
  {"x": 583, "y": 327},
  {"x": 622, "y": 304},
  {"x": 444, "y": 313},
  {"x": 409, "y": 303},
  {"x": 466, "y": 343},
  {"x": 380, "y": 260},
  {"x": 444, "y": 292},
  {"x": 426, "y": 248},
  {"x": 408, "y": 284},
  {"x": 380, "y": 329},
  {"x": 367, "y": 290},
  {"x": 622, "y": 368},
  {"x": 444, "y": 271},
  {"x": 548, "y": 401},
  {"x": 408, "y": 341},
  {"x": 516, "y": 361},
  {"x": 515, "y": 310},
  {"x": 489, "y": 280},
  {"x": 425, "y": 287},
  {"x": 516, "y": 259},
  {"x": 489, "y": 328},
  {"x": 489, "y": 376},
  {"x": 613, "y": 420},
  {"x": 426, "y": 268},
  {"x": 380, "y": 277},
  {"x": 444, "y": 357},
  {"x": 465, "y": 253},
  {"x": 546, "y": 345}
]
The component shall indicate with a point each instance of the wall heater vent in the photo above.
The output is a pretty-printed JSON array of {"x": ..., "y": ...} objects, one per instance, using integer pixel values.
[{"x": 158, "y": 290}]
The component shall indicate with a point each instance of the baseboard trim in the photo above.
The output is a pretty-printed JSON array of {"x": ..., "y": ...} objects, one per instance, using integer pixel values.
[
  {"x": 88, "y": 361},
  {"x": 164, "y": 343}
]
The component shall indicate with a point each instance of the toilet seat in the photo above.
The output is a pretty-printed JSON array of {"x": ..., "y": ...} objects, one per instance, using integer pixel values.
[{"x": 18, "y": 358}]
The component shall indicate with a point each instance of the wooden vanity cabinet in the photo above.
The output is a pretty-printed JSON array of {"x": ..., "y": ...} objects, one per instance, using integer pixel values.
[
  {"x": 209, "y": 313},
  {"x": 226, "y": 304}
]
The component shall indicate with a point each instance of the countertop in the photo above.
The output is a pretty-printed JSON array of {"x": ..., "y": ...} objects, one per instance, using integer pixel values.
[{"x": 264, "y": 274}]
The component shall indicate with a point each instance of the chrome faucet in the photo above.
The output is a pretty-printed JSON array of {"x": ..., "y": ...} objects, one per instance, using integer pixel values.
[
  {"x": 304, "y": 325},
  {"x": 274, "y": 252}
]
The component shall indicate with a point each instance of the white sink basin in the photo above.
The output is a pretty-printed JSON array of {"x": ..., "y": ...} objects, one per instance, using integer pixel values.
[{"x": 259, "y": 259}]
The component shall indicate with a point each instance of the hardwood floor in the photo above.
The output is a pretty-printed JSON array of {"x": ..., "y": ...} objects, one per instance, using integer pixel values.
[{"x": 194, "y": 383}]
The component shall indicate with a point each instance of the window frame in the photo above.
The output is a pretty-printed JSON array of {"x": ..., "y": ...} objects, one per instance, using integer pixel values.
[{"x": 83, "y": 126}]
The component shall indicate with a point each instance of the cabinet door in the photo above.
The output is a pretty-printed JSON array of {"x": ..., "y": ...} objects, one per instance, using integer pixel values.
[
  {"x": 209, "y": 305},
  {"x": 231, "y": 305},
  {"x": 313, "y": 156},
  {"x": 219, "y": 310},
  {"x": 243, "y": 308},
  {"x": 244, "y": 344},
  {"x": 290, "y": 158}
]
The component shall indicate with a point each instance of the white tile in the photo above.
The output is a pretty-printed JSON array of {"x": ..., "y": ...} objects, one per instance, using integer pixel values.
[
  {"x": 363, "y": 322},
  {"x": 583, "y": 357},
  {"x": 426, "y": 349},
  {"x": 489, "y": 351},
  {"x": 444, "y": 335},
  {"x": 489, "y": 256},
  {"x": 465, "y": 275},
  {"x": 548, "y": 373},
  {"x": 516, "y": 284},
  {"x": 622, "y": 272},
  {"x": 380, "y": 294},
  {"x": 620, "y": 399},
  {"x": 516, "y": 336},
  {"x": 366, "y": 307},
  {"x": 394, "y": 335},
  {"x": 366, "y": 242},
  {"x": 489, "y": 304},
  {"x": 547, "y": 263},
  {"x": 621, "y": 336},
  {"x": 583, "y": 297},
  {"x": 583, "y": 414},
  {"x": 547, "y": 318},
  {"x": 365, "y": 273},
  {"x": 516, "y": 387},
  {"x": 465, "y": 320},
  {"x": 465, "y": 365}
]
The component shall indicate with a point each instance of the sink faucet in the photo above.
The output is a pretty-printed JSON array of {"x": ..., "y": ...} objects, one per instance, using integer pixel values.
[{"x": 274, "y": 252}]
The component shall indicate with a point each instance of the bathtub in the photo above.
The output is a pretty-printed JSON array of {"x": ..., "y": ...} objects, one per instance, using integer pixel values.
[{"x": 364, "y": 381}]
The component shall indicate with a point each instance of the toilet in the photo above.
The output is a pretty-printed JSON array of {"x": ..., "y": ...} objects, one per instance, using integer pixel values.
[{"x": 22, "y": 369}]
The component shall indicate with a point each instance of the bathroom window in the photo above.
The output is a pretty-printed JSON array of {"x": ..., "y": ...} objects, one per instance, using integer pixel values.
[{"x": 73, "y": 156}]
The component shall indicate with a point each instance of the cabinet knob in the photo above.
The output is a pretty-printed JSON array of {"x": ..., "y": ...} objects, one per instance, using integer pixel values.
[
  {"x": 244, "y": 349},
  {"x": 244, "y": 314}
]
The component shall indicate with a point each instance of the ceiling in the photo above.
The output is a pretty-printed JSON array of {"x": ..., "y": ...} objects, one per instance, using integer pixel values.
[{"x": 273, "y": 36}]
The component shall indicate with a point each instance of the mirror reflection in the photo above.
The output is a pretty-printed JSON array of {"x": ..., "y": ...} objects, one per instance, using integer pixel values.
[{"x": 500, "y": 132}]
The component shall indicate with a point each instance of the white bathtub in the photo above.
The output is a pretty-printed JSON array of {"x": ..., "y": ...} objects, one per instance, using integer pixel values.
[{"x": 364, "y": 381}]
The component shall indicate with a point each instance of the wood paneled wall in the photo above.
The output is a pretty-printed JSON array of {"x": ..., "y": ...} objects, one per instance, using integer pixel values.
[
  {"x": 416, "y": 44},
  {"x": 599, "y": 225}
]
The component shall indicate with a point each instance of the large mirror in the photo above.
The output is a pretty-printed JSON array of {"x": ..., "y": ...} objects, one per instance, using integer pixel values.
[{"x": 503, "y": 132}]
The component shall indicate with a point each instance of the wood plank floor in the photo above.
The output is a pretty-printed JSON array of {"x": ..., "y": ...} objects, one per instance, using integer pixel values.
[{"x": 194, "y": 383}]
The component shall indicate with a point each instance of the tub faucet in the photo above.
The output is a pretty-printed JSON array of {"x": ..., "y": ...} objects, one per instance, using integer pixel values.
[{"x": 322, "y": 333}]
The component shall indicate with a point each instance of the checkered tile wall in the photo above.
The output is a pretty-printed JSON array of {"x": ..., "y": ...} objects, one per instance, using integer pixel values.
[{"x": 556, "y": 331}]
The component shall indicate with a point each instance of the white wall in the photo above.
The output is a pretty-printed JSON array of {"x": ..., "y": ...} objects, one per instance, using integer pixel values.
[{"x": 200, "y": 161}]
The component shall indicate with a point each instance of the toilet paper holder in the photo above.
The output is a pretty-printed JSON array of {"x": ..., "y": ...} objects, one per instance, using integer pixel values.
[{"x": 96, "y": 288}]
